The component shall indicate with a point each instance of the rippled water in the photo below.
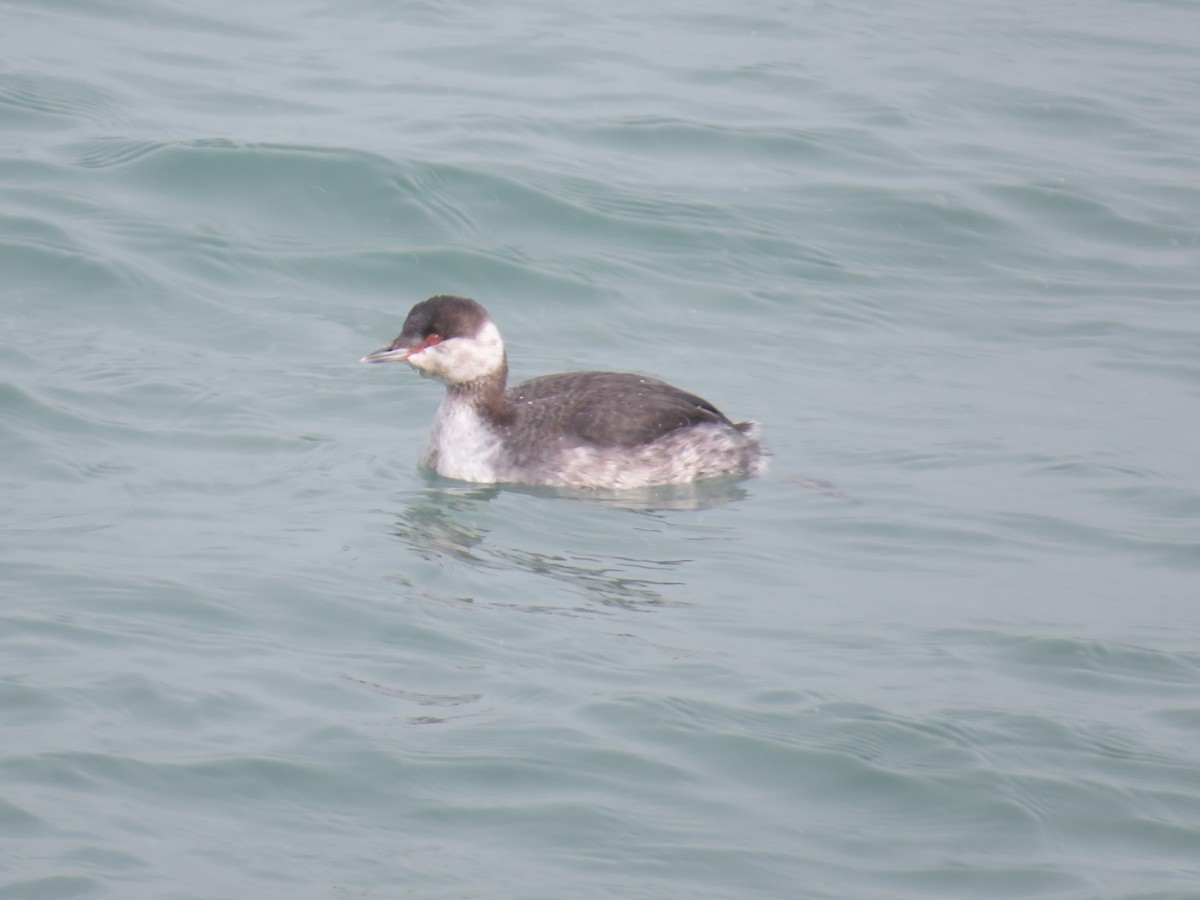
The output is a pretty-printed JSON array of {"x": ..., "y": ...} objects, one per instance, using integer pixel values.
[{"x": 948, "y": 257}]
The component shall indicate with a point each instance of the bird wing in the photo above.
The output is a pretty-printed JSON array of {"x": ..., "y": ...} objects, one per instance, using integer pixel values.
[{"x": 613, "y": 409}]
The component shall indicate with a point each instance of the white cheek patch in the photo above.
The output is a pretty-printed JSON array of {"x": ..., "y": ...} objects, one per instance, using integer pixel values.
[
  {"x": 458, "y": 360},
  {"x": 420, "y": 361}
]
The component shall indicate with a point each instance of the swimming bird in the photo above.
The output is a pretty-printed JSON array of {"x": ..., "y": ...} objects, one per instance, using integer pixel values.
[{"x": 582, "y": 429}]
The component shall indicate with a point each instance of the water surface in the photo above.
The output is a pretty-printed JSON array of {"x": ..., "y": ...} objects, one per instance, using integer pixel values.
[{"x": 947, "y": 647}]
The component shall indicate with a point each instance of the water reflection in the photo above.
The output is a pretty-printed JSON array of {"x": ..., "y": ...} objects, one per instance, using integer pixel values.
[
  {"x": 432, "y": 531},
  {"x": 696, "y": 495},
  {"x": 441, "y": 523}
]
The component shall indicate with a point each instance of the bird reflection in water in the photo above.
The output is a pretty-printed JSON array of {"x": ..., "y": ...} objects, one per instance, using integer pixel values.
[{"x": 438, "y": 525}]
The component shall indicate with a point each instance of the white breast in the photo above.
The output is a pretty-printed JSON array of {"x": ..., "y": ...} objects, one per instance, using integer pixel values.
[{"x": 462, "y": 445}]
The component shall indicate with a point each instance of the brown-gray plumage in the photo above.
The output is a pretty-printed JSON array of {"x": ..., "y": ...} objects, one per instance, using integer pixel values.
[{"x": 591, "y": 429}]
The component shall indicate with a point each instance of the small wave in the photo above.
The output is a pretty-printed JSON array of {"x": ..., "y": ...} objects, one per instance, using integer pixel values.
[
  {"x": 104, "y": 153},
  {"x": 58, "y": 97}
]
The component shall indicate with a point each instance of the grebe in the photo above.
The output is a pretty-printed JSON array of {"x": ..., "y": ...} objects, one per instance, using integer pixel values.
[{"x": 582, "y": 429}]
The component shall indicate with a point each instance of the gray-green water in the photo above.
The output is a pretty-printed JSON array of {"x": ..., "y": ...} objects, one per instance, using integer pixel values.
[{"x": 948, "y": 256}]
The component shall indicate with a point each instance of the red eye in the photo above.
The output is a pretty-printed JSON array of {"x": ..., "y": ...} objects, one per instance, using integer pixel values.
[{"x": 430, "y": 340}]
